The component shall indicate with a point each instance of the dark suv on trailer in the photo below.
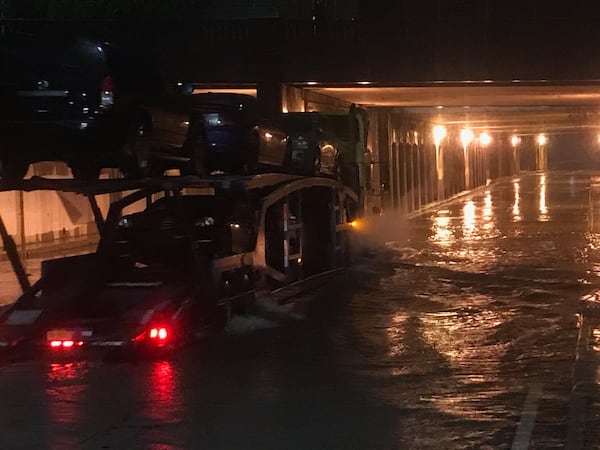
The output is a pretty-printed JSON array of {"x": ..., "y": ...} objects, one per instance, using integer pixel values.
[
  {"x": 92, "y": 105},
  {"x": 240, "y": 139}
]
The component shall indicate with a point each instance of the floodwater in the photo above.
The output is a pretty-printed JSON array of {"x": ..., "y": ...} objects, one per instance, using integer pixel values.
[{"x": 463, "y": 331}]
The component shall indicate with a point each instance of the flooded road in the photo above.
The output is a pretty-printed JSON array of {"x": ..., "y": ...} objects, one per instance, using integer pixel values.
[{"x": 463, "y": 332}]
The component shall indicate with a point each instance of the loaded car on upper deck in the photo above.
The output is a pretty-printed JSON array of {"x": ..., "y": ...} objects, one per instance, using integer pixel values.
[
  {"x": 93, "y": 105},
  {"x": 314, "y": 149},
  {"x": 240, "y": 139}
]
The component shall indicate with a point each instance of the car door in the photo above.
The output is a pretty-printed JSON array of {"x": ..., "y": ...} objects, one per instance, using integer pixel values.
[
  {"x": 273, "y": 143},
  {"x": 170, "y": 120},
  {"x": 151, "y": 99}
]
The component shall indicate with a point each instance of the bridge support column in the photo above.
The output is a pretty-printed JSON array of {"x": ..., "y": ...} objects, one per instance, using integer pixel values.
[
  {"x": 467, "y": 167},
  {"x": 541, "y": 160},
  {"x": 516, "y": 159},
  {"x": 439, "y": 168},
  {"x": 269, "y": 96}
]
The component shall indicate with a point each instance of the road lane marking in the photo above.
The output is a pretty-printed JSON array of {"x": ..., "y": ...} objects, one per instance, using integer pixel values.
[{"x": 525, "y": 427}]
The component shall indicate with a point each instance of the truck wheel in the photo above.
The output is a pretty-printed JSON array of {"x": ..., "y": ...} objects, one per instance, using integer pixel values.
[{"x": 11, "y": 170}]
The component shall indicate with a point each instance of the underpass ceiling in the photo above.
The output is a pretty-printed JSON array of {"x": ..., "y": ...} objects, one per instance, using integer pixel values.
[{"x": 515, "y": 106}]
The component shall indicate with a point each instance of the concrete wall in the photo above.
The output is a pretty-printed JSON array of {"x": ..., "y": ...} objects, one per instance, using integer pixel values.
[
  {"x": 43, "y": 216},
  {"x": 408, "y": 173},
  {"x": 46, "y": 215}
]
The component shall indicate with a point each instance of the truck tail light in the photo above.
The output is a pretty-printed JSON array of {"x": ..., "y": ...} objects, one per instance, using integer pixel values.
[
  {"x": 64, "y": 344},
  {"x": 107, "y": 88},
  {"x": 156, "y": 335},
  {"x": 159, "y": 333}
]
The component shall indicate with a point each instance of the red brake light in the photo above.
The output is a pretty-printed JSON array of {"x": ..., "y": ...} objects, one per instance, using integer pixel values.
[
  {"x": 159, "y": 333},
  {"x": 65, "y": 344},
  {"x": 107, "y": 86}
]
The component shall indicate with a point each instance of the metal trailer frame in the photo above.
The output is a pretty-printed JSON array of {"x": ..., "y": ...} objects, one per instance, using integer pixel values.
[{"x": 270, "y": 188}]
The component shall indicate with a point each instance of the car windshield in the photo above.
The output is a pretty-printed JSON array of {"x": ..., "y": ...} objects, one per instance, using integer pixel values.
[
  {"x": 174, "y": 225},
  {"x": 297, "y": 123},
  {"x": 340, "y": 125}
]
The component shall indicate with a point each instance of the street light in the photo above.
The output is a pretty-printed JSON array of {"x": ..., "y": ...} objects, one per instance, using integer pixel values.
[
  {"x": 485, "y": 139},
  {"x": 439, "y": 133},
  {"x": 542, "y": 139},
  {"x": 515, "y": 140},
  {"x": 466, "y": 137}
]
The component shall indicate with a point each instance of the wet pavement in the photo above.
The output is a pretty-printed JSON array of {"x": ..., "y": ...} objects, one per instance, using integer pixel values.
[{"x": 475, "y": 327}]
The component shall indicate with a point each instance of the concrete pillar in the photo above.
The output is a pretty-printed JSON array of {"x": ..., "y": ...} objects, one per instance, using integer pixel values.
[
  {"x": 516, "y": 159},
  {"x": 467, "y": 158},
  {"x": 292, "y": 99},
  {"x": 543, "y": 157},
  {"x": 439, "y": 166},
  {"x": 391, "y": 134},
  {"x": 405, "y": 173},
  {"x": 417, "y": 152},
  {"x": 374, "y": 200},
  {"x": 269, "y": 97}
]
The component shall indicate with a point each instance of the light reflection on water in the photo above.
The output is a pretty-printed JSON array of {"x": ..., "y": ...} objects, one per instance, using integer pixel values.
[
  {"x": 461, "y": 337},
  {"x": 485, "y": 307},
  {"x": 65, "y": 391},
  {"x": 163, "y": 400},
  {"x": 464, "y": 236},
  {"x": 64, "y": 397},
  {"x": 469, "y": 219},
  {"x": 543, "y": 215},
  {"x": 516, "y": 210},
  {"x": 487, "y": 209},
  {"x": 460, "y": 341},
  {"x": 442, "y": 234},
  {"x": 396, "y": 334}
]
